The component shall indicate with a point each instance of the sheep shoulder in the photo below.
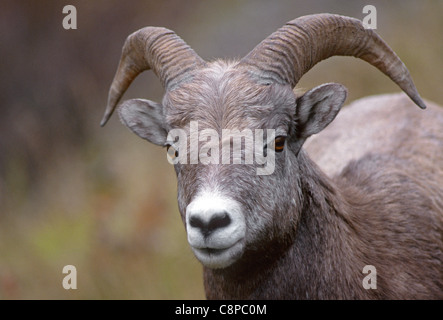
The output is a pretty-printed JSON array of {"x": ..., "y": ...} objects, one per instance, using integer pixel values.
[
  {"x": 386, "y": 157},
  {"x": 389, "y": 125}
]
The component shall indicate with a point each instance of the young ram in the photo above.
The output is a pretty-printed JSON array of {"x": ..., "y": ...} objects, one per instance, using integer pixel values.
[{"x": 300, "y": 232}]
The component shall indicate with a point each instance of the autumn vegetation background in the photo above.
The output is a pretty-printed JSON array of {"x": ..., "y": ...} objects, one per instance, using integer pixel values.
[{"x": 104, "y": 200}]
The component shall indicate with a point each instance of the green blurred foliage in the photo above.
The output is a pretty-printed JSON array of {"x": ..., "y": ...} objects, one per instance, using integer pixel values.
[{"x": 104, "y": 200}]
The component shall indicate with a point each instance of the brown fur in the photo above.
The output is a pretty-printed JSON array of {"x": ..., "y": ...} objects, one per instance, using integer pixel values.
[
  {"x": 384, "y": 209},
  {"x": 375, "y": 197},
  {"x": 397, "y": 228}
]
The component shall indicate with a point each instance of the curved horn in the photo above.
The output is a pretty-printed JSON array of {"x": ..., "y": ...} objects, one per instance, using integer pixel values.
[
  {"x": 153, "y": 48},
  {"x": 287, "y": 54}
]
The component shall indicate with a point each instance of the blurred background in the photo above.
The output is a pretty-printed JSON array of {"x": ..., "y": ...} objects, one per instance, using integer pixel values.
[{"x": 103, "y": 200}]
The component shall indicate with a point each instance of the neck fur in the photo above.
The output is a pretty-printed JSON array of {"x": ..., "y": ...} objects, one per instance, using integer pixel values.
[{"x": 321, "y": 259}]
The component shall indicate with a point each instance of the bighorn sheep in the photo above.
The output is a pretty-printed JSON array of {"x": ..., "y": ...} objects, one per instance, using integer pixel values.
[{"x": 299, "y": 232}]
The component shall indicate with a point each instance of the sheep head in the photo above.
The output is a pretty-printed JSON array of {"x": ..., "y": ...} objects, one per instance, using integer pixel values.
[{"x": 229, "y": 210}]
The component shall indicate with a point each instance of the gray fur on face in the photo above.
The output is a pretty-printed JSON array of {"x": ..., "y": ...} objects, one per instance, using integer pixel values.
[{"x": 212, "y": 98}]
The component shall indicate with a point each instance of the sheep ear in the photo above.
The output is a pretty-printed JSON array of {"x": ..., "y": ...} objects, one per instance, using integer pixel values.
[
  {"x": 318, "y": 107},
  {"x": 144, "y": 118}
]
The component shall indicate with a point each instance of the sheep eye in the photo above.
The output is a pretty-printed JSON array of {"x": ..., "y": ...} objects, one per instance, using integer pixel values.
[
  {"x": 279, "y": 143},
  {"x": 172, "y": 151}
]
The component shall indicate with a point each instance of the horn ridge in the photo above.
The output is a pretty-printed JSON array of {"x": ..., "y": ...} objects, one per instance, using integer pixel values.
[
  {"x": 155, "y": 48},
  {"x": 287, "y": 54}
]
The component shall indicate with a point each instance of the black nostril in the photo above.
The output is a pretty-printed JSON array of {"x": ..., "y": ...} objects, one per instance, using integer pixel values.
[
  {"x": 217, "y": 221},
  {"x": 196, "y": 222}
]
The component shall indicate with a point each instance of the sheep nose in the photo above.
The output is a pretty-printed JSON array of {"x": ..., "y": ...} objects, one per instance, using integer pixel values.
[{"x": 217, "y": 220}]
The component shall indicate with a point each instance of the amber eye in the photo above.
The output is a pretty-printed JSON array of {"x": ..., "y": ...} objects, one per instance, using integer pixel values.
[
  {"x": 172, "y": 152},
  {"x": 279, "y": 143}
]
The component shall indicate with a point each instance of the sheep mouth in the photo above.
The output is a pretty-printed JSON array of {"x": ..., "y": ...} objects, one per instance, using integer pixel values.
[
  {"x": 217, "y": 258},
  {"x": 212, "y": 251}
]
